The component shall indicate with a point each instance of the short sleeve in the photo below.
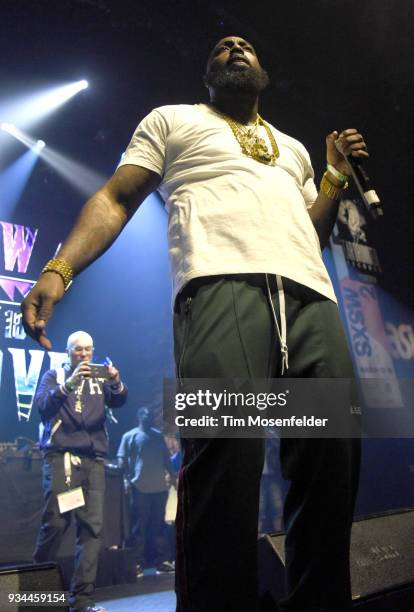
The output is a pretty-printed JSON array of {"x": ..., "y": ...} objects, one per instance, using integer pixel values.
[
  {"x": 148, "y": 143},
  {"x": 123, "y": 448},
  {"x": 309, "y": 191}
]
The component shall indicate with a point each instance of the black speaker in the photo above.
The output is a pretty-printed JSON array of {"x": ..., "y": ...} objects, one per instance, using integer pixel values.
[
  {"x": 382, "y": 564},
  {"x": 39, "y": 577}
]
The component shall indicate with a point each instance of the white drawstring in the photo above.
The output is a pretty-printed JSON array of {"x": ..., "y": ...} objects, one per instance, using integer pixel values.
[
  {"x": 282, "y": 330},
  {"x": 53, "y": 430},
  {"x": 68, "y": 461}
]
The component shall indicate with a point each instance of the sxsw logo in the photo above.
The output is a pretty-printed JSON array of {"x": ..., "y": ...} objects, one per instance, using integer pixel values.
[
  {"x": 18, "y": 243},
  {"x": 356, "y": 320}
]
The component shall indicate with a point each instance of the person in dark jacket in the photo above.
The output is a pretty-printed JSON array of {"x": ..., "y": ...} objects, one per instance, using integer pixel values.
[
  {"x": 73, "y": 437},
  {"x": 144, "y": 458}
]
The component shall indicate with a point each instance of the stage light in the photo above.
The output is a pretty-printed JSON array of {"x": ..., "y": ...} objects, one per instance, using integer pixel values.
[
  {"x": 9, "y": 128},
  {"x": 13, "y": 181},
  {"x": 40, "y": 144},
  {"x": 85, "y": 180},
  {"x": 28, "y": 110},
  {"x": 36, "y": 145}
]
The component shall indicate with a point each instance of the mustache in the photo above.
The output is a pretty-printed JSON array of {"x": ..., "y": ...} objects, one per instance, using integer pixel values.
[{"x": 237, "y": 57}]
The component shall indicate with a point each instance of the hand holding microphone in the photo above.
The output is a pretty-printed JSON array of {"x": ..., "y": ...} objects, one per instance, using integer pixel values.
[{"x": 346, "y": 151}]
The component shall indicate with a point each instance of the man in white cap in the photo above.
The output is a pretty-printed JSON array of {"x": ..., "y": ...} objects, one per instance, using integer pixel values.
[{"x": 71, "y": 402}]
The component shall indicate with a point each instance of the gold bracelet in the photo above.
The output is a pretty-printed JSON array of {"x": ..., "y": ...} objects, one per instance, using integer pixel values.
[
  {"x": 61, "y": 267},
  {"x": 330, "y": 190}
]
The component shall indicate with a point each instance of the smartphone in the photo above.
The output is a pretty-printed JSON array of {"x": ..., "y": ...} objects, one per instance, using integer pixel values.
[{"x": 98, "y": 370}]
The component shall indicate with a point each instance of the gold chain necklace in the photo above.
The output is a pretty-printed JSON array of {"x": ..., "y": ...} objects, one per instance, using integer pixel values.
[
  {"x": 78, "y": 393},
  {"x": 250, "y": 142}
]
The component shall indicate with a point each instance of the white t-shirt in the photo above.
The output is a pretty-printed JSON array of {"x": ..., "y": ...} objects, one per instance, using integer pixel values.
[{"x": 228, "y": 213}]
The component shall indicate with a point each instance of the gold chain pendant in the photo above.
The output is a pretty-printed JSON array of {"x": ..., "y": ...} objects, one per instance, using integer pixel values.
[
  {"x": 250, "y": 142},
  {"x": 78, "y": 392}
]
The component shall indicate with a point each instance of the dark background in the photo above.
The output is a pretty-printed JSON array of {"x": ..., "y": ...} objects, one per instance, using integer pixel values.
[{"x": 333, "y": 65}]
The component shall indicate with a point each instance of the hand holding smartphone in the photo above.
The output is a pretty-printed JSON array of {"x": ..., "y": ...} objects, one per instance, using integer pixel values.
[{"x": 98, "y": 370}]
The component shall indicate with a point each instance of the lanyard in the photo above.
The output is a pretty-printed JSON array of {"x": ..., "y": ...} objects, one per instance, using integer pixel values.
[{"x": 68, "y": 461}]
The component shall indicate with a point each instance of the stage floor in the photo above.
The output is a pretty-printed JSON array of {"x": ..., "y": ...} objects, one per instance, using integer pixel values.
[{"x": 150, "y": 593}]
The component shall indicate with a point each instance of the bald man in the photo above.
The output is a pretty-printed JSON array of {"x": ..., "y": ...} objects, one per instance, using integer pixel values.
[{"x": 74, "y": 441}]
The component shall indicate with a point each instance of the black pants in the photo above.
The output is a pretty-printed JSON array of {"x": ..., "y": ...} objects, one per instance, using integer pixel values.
[
  {"x": 223, "y": 327},
  {"x": 147, "y": 525},
  {"x": 90, "y": 475}
]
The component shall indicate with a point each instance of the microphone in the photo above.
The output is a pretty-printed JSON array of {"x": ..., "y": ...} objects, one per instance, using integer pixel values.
[{"x": 363, "y": 184}]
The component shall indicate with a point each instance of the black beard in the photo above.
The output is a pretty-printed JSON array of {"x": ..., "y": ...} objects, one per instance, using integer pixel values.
[{"x": 250, "y": 80}]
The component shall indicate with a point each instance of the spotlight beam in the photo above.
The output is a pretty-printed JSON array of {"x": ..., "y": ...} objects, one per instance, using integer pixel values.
[
  {"x": 83, "y": 179},
  {"x": 28, "y": 110},
  {"x": 13, "y": 181},
  {"x": 11, "y": 129}
]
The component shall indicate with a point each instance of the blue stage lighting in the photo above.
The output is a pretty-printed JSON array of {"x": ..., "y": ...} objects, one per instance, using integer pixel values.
[
  {"x": 82, "y": 178},
  {"x": 9, "y": 128},
  {"x": 27, "y": 140},
  {"x": 28, "y": 110},
  {"x": 35, "y": 145},
  {"x": 13, "y": 180}
]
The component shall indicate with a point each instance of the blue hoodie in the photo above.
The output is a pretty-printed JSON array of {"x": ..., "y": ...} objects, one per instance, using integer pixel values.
[{"x": 65, "y": 429}]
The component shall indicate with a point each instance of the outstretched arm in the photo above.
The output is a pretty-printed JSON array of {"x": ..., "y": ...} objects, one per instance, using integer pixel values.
[
  {"x": 99, "y": 223},
  {"x": 325, "y": 209}
]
